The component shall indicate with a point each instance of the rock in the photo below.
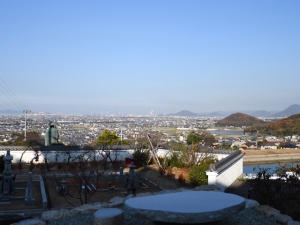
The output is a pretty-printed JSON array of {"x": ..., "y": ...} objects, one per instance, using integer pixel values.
[
  {"x": 292, "y": 222},
  {"x": 85, "y": 208},
  {"x": 116, "y": 201},
  {"x": 207, "y": 188},
  {"x": 182, "y": 189},
  {"x": 31, "y": 222},
  {"x": 143, "y": 194},
  {"x": 251, "y": 203},
  {"x": 164, "y": 192},
  {"x": 109, "y": 216},
  {"x": 55, "y": 214},
  {"x": 129, "y": 196},
  {"x": 270, "y": 212},
  {"x": 101, "y": 205}
]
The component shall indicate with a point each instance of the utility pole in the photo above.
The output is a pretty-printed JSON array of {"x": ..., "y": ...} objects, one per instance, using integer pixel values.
[{"x": 26, "y": 112}]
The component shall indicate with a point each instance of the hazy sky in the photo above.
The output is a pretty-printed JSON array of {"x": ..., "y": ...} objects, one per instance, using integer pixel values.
[{"x": 138, "y": 56}]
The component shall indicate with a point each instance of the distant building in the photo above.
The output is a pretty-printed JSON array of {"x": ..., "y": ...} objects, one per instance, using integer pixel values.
[{"x": 268, "y": 145}]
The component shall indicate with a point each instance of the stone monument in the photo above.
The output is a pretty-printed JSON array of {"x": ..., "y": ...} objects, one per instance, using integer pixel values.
[
  {"x": 51, "y": 135},
  {"x": 131, "y": 184},
  {"x": 7, "y": 184},
  {"x": 29, "y": 200}
]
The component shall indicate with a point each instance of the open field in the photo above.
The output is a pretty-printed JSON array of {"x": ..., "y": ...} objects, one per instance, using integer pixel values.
[
  {"x": 271, "y": 152},
  {"x": 281, "y": 156}
]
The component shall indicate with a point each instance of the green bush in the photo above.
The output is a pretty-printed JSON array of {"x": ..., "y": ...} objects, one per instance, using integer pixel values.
[
  {"x": 176, "y": 161},
  {"x": 197, "y": 175},
  {"x": 141, "y": 157}
]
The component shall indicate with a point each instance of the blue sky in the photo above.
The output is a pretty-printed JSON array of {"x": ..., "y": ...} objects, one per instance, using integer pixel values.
[{"x": 137, "y": 56}]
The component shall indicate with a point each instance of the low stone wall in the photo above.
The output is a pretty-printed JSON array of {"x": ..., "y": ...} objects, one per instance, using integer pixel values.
[{"x": 47, "y": 216}]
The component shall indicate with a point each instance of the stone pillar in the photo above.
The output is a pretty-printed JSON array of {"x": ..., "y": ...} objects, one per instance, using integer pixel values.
[{"x": 29, "y": 201}]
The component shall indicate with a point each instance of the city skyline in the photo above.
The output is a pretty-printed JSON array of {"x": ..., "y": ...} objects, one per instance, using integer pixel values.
[{"x": 135, "y": 57}]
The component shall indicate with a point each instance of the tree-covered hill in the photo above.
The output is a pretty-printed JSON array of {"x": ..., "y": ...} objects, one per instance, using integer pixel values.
[
  {"x": 284, "y": 127},
  {"x": 238, "y": 120}
]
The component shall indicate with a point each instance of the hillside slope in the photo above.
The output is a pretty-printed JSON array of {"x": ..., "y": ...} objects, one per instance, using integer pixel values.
[
  {"x": 238, "y": 120},
  {"x": 284, "y": 127}
]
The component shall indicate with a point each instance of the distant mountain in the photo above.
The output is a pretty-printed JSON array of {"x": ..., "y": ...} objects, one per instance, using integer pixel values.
[
  {"x": 183, "y": 113},
  {"x": 284, "y": 127},
  {"x": 291, "y": 110},
  {"x": 238, "y": 120},
  {"x": 9, "y": 112},
  {"x": 215, "y": 114},
  {"x": 261, "y": 113}
]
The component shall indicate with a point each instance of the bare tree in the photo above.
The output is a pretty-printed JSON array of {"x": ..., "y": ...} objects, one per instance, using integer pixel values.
[{"x": 78, "y": 178}]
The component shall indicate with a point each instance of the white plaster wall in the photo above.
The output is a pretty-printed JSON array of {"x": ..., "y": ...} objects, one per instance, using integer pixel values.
[
  {"x": 52, "y": 155},
  {"x": 227, "y": 177}
]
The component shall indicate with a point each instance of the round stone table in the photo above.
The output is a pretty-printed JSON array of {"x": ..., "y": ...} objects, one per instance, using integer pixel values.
[{"x": 189, "y": 207}]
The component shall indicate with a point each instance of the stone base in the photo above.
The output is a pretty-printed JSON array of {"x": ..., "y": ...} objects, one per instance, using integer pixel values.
[
  {"x": 108, "y": 216},
  {"x": 220, "y": 222}
]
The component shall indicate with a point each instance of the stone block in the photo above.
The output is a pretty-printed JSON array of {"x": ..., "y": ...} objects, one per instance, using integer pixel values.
[
  {"x": 292, "y": 222},
  {"x": 270, "y": 212},
  {"x": 55, "y": 214},
  {"x": 143, "y": 194},
  {"x": 30, "y": 222},
  {"x": 108, "y": 216},
  {"x": 251, "y": 203},
  {"x": 87, "y": 208},
  {"x": 116, "y": 201}
]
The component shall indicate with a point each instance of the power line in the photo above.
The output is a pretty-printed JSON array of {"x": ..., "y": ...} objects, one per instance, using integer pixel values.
[
  {"x": 13, "y": 95},
  {"x": 5, "y": 103}
]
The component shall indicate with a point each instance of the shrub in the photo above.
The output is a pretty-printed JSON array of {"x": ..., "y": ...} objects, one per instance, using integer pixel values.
[
  {"x": 141, "y": 157},
  {"x": 197, "y": 175},
  {"x": 181, "y": 178},
  {"x": 282, "y": 194},
  {"x": 176, "y": 161},
  {"x": 169, "y": 172}
]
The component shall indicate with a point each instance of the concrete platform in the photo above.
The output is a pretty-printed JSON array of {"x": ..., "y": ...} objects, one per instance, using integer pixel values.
[{"x": 189, "y": 207}]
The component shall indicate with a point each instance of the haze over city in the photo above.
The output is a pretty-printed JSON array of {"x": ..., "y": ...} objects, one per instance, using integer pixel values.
[{"x": 121, "y": 57}]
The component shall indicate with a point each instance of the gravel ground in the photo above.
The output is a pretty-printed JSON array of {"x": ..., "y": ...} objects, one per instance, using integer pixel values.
[{"x": 245, "y": 217}]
